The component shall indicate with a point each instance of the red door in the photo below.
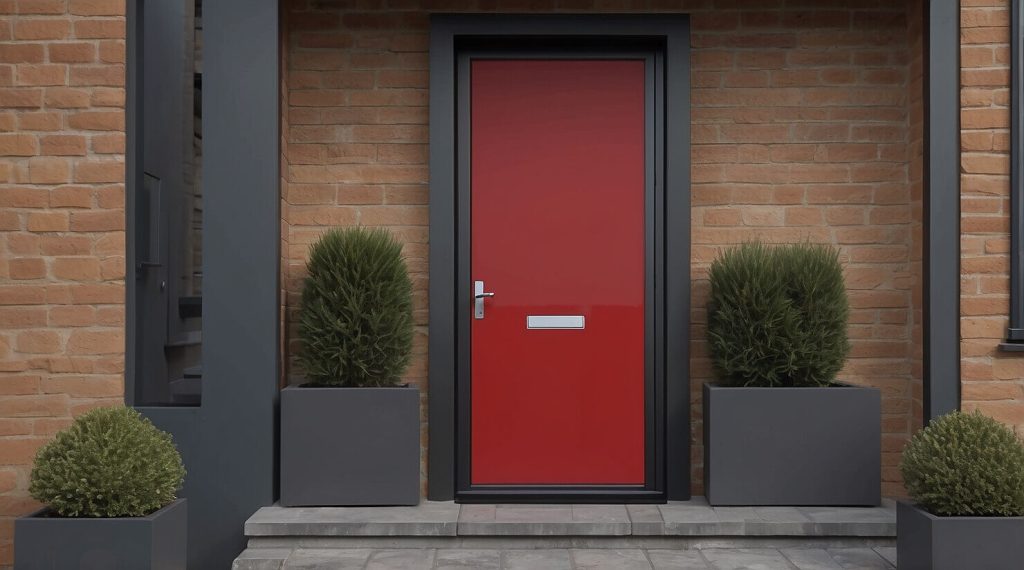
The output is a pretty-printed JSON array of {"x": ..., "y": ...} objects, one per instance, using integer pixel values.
[{"x": 557, "y": 216}]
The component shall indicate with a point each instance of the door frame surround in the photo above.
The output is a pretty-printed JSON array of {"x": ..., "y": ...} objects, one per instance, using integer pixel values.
[{"x": 447, "y": 345}]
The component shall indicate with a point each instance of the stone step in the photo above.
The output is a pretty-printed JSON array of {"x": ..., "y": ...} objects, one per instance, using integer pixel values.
[
  {"x": 694, "y": 518},
  {"x": 800, "y": 558}
]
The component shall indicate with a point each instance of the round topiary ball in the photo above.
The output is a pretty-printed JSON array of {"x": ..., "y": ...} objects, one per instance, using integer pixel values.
[
  {"x": 777, "y": 315},
  {"x": 355, "y": 318},
  {"x": 965, "y": 465},
  {"x": 111, "y": 462}
]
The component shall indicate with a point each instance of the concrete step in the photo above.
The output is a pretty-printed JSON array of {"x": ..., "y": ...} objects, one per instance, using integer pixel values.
[
  {"x": 800, "y": 558},
  {"x": 694, "y": 518}
]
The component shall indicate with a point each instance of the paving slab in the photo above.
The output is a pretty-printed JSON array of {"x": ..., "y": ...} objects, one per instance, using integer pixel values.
[
  {"x": 544, "y": 520},
  {"x": 645, "y": 519},
  {"x": 600, "y": 559},
  {"x": 426, "y": 519},
  {"x": 887, "y": 552},
  {"x": 536, "y": 560},
  {"x": 402, "y": 559},
  {"x": 811, "y": 558},
  {"x": 323, "y": 558},
  {"x": 746, "y": 559},
  {"x": 697, "y": 518},
  {"x": 261, "y": 559},
  {"x": 859, "y": 558},
  {"x": 454, "y": 559},
  {"x": 677, "y": 560}
]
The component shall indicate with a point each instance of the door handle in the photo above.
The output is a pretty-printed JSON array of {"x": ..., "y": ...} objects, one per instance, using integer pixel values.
[{"x": 479, "y": 295}]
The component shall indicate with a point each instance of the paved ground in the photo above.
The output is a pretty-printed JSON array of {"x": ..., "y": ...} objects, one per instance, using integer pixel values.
[{"x": 575, "y": 559}]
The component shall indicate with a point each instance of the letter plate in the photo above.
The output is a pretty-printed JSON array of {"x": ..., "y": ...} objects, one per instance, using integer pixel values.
[{"x": 554, "y": 321}]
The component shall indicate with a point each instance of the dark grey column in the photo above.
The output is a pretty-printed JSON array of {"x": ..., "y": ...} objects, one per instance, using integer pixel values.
[
  {"x": 942, "y": 211},
  {"x": 230, "y": 442}
]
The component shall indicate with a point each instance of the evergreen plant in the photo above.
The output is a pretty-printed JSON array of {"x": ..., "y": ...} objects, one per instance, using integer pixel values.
[
  {"x": 777, "y": 315},
  {"x": 355, "y": 318}
]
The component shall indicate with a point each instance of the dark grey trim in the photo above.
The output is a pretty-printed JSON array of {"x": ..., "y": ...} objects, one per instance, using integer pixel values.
[
  {"x": 942, "y": 211},
  {"x": 133, "y": 181},
  {"x": 229, "y": 443},
  {"x": 673, "y": 32},
  {"x": 441, "y": 341},
  {"x": 1015, "y": 332}
]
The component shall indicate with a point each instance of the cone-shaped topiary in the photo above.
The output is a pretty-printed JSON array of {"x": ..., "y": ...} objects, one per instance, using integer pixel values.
[
  {"x": 777, "y": 315},
  {"x": 965, "y": 465},
  {"x": 355, "y": 323},
  {"x": 111, "y": 462}
]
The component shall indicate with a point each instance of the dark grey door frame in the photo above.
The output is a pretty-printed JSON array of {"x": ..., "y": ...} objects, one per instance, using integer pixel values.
[
  {"x": 229, "y": 442},
  {"x": 450, "y": 32}
]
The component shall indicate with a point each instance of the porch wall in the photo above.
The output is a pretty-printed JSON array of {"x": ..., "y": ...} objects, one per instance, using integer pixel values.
[
  {"x": 62, "y": 223},
  {"x": 993, "y": 381},
  {"x": 806, "y": 126}
]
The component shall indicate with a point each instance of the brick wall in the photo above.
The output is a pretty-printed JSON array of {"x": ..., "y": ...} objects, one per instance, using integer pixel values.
[
  {"x": 993, "y": 381},
  {"x": 802, "y": 129},
  {"x": 61, "y": 226}
]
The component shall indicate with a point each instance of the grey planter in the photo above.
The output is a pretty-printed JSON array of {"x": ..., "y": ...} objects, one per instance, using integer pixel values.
[
  {"x": 350, "y": 446},
  {"x": 928, "y": 542},
  {"x": 792, "y": 446},
  {"x": 155, "y": 542}
]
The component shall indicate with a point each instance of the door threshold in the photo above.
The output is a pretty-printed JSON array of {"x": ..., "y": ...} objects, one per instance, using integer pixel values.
[{"x": 560, "y": 495}]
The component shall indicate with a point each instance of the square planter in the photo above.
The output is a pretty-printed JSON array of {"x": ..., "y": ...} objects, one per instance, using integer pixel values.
[
  {"x": 154, "y": 542},
  {"x": 350, "y": 446},
  {"x": 928, "y": 542},
  {"x": 792, "y": 446}
]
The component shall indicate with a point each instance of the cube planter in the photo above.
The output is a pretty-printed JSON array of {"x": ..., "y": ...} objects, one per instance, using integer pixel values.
[
  {"x": 154, "y": 542},
  {"x": 792, "y": 446},
  {"x": 928, "y": 542},
  {"x": 350, "y": 446}
]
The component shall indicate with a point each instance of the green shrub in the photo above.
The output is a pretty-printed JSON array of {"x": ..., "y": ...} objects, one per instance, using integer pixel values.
[
  {"x": 111, "y": 462},
  {"x": 965, "y": 465},
  {"x": 777, "y": 315},
  {"x": 356, "y": 315}
]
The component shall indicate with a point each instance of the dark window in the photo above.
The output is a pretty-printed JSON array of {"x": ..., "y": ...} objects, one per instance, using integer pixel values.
[{"x": 167, "y": 214}]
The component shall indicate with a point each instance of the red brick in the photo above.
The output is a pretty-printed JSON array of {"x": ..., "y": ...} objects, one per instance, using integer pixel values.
[
  {"x": 41, "y": 29},
  {"x": 78, "y": 52}
]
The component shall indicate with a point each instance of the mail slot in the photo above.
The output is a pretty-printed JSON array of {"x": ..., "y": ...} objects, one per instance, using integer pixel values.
[{"x": 554, "y": 321}]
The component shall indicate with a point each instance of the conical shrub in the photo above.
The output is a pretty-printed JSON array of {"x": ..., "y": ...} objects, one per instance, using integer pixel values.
[{"x": 356, "y": 324}]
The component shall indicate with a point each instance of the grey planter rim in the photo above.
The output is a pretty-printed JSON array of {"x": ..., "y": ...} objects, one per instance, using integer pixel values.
[
  {"x": 964, "y": 518},
  {"x": 43, "y": 514},
  {"x": 834, "y": 385},
  {"x": 307, "y": 386}
]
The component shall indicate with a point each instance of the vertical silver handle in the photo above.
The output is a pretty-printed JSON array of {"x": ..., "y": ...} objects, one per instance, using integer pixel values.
[{"x": 479, "y": 296}]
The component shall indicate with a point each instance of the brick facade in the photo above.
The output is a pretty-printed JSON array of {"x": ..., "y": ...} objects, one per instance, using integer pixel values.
[
  {"x": 807, "y": 124},
  {"x": 62, "y": 226},
  {"x": 993, "y": 381},
  {"x": 802, "y": 129}
]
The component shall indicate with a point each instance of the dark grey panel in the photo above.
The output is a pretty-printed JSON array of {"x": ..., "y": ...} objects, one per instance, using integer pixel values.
[
  {"x": 942, "y": 211},
  {"x": 230, "y": 443},
  {"x": 927, "y": 542},
  {"x": 156, "y": 542},
  {"x": 792, "y": 446},
  {"x": 350, "y": 446}
]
